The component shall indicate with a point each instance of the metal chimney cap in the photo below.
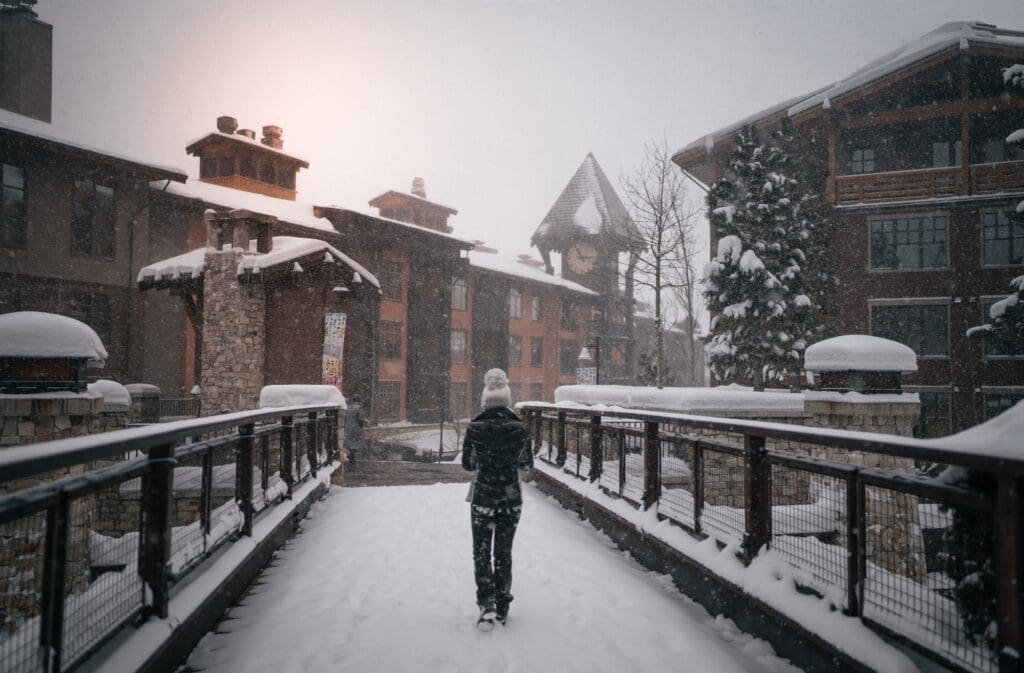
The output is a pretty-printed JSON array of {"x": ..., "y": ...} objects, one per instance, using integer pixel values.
[
  {"x": 227, "y": 124},
  {"x": 418, "y": 188}
]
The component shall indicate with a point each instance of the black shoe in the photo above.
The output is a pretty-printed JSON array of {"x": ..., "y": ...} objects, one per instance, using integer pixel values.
[
  {"x": 501, "y": 613},
  {"x": 487, "y": 615}
]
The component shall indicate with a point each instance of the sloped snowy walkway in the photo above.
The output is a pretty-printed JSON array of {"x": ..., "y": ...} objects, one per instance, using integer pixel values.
[{"x": 381, "y": 579}]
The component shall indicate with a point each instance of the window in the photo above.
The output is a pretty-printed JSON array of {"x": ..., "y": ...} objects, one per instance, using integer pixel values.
[
  {"x": 517, "y": 392},
  {"x": 391, "y": 280},
  {"x": 568, "y": 356},
  {"x": 458, "y": 400},
  {"x": 862, "y": 161},
  {"x": 923, "y": 327},
  {"x": 208, "y": 167},
  {"x": 988, "y": 139},
  {"x": 390, "y": 345},
  {"x": 459, "y": 294},
  {"x": 266, "y": 172},
  {"x": 12, "y": 208},
  {"x": 998, "y": 344},
  {"x": 247, "y": 167},
  {"x": 536, "y": 351},
  {"x": 458, "y": 346},
  {"x": 567, "y": 317},
  {"x": 226, "y": 166},
  {"x": 934, "y": 419},
  {"x": 387, "y": 400},
  {"x": 94, "y": 310},
  {"x": 997, "y": 403},
  {"x": 536, "y": 391},
  {"x": 909, "y": 243},
  {"x": 92, "y": 220},
  {"x": 536, "y": 308},
  {"x": 284, "y": 178},
  {"x": 1003, "y": 234},
  {"x": 515, "y": 350},
  {"x": 515, "y": 303}
]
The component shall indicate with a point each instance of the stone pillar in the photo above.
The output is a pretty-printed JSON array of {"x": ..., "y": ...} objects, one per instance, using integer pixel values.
[
  {"x": 894, "y": 540},
  {"x": 234, "y": 335}
]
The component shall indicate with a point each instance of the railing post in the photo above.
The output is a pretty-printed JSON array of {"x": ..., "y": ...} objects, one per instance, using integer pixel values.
[
  {"x": 332, "y": 435},
  {"x": 538, "y": 429},
  {"x": 55, "y": 563},
  {"x": 856, "y": 522},
  {"x": 158, "y": 526},
  {"x": 697, "y": 473},
  {"x": 311, "y": 437},
  {"x": 1008, "y": 522},
  {"x": 596, "y": 455},
  {"x": 286, "y": 453},
  {"x": 652, "y": 457},
  {"x": 562, "y": 448},
  {"x": 243, "y": 468},
  {"x": 551, "y": 439},
  {"x": 264, "y": 465},
  {"x": 206, "y": 495},
  {"x": 622, "y": 461},
  {"x": 757, "y": 497}
]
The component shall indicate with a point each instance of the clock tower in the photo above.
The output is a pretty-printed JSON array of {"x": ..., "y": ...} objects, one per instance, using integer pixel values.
[{"x": 590, "y": 230}]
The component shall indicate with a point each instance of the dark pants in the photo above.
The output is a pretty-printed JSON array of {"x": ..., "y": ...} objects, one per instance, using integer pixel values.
[{"x": 493, "y": 529}]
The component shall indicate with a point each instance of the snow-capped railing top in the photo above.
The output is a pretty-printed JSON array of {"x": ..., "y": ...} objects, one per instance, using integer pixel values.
[{"x": 33, "y": 334}]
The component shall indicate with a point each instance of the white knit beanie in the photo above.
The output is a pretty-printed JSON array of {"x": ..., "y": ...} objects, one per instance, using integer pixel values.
[{"x": 496, "y": 391}]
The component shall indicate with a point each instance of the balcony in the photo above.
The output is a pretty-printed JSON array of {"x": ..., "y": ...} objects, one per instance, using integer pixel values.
[
  {"x": 925, "y": 183},
  {"x": 1007, "y": 176}
]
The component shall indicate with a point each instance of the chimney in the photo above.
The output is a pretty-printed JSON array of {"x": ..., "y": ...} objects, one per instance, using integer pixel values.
[
  {"x": 26, "y": 61},
  {"x": 248, "y": 133},
  {"x": 272, "y": 137},
  {"x": 226, "y": 124},
  {"x": 418, "y": 189}
]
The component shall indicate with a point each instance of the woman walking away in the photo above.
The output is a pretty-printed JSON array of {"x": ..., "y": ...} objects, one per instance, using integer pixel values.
[{"x": 497, "y": 446}]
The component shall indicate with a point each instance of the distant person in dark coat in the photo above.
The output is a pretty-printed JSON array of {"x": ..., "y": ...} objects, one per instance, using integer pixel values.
[
  {"x": 496, "y": 447},
  {"x": 354, "y": 422}
]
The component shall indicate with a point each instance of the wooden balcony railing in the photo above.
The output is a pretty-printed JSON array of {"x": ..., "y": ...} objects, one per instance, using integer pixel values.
[
  {"x": 897, "y": 186},
  {"x": 996, "y": 178}
]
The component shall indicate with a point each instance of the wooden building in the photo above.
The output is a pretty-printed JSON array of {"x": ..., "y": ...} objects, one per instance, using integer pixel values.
[{"x": 924, "y": 187}]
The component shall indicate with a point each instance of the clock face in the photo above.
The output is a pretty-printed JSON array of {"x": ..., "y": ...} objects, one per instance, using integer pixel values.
[{"x": 582, "y": 258}]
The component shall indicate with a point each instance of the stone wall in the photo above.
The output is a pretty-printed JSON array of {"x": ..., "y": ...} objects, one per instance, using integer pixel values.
[{"x": 234, "y": 331}]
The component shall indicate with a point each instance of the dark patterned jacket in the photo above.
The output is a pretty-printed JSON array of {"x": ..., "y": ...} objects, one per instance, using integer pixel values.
[{"x": 497, "y": 446}]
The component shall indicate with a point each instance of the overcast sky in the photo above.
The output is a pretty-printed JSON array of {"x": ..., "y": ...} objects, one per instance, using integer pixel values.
[{"x": 493, "y": 103}]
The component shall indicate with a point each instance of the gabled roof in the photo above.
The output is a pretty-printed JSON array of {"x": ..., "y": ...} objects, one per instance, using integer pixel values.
[
  {"x": 244, "y": 141},
  {"x": 413, "y": 198},
  {"x": 74, "y": 143},
  {"x": 285, "y": 249},
  {"x": 497, "y": 263},
  {"x": 353, "y": 217},
  {"x": 955, "y": 35},
  {"x": 587, "y": 205}
]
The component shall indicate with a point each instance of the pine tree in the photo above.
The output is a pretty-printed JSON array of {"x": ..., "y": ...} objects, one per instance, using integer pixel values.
[{"x": 754, "y": 285}]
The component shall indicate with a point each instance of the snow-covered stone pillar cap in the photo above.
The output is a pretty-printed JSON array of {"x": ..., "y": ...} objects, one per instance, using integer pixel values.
[{"x": 860, "y": 363}]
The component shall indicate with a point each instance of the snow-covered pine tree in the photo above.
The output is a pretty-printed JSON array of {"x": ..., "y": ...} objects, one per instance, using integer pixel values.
[{"x": 754, "y": 285}]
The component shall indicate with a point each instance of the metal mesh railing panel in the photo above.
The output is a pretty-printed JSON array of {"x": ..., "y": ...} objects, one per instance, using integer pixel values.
[
  {"x": 22, "y": 548},
  {"x": 722, "y": 511},
  {"x": 675, "y": 463},
  {"x": 225, "y": 515},
  {"x": 103, "y": 588},
  {"x": 809, "y": 528},
  {"x": 917, "y": 582},
  {"x": 633, "y": 445},
  {"x": 188, "y": 543}
]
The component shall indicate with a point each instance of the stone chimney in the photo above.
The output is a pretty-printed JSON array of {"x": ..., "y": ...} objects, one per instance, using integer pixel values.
[
  {"x": 248, "y": 133},
  {"x": 26, "y": 61},
  {"x": 272, "y": 137},
  {"x": 418, "y": 188}
]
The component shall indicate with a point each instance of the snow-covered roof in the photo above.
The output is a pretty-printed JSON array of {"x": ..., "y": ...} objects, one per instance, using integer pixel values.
[
  {"x": 408, "y": 225},
  {"x": 73, "y": 138},
  {"x": 284, "y": 249},
  {"x": 115, "y": 396},
  {"x": 859, "y": 352},
  {"x": 246, "y": 140},
  {"x": 958, "y": 34},
  {"x": 293, "y": 212},
  {"x": 412, "y": 197},
  {"x": 513, "y": 267},
  {"x": 32, "y": 334},
  {"x": 588, "y": 203},
  {"x": 301, "y": 396}
]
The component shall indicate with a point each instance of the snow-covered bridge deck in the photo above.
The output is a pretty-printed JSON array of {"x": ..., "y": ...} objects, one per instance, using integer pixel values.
[{"x": 381, "y": 579}]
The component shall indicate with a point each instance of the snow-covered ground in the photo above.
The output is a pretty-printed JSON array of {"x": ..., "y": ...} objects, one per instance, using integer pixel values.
[{"x": 381, "y": 579}]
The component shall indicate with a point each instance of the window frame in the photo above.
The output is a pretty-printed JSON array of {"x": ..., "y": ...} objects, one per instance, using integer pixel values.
[
  {"x": 93, "y": 209},
  {"x": 21, "y": 222},
  {"x": 536, "y": 308},
  {"x": 87, "y": 307},
  {"x": 986, "y": 302},
  {"x": 391, "y": 277},
  {"x": 1009, "y": 211},
  {"x": 944, "y": 302},
  {"x": 999, "y": 391},
  {"x": 456, "y": 358},
  {"x": 378, "y": 394},
  {"x": 515, "y": 354},
  {"x": 894, "y": 219},
  {"x": 536, "y": 354},
  {"x": 567, "y": 367},
  {"x": 383, "y": 330},
  {"x": 460, "y": 289},
  {"x": 515, "y": 303}
]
